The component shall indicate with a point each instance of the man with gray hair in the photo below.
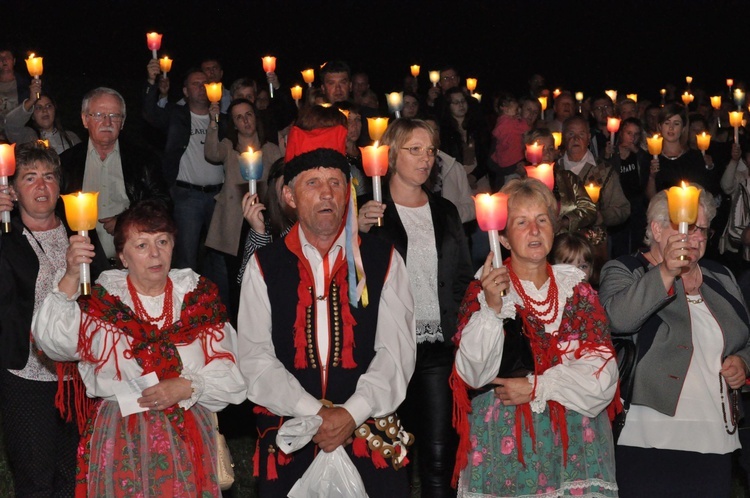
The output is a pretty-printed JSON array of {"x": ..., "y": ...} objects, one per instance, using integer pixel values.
[{"x": 120, "y": 171}]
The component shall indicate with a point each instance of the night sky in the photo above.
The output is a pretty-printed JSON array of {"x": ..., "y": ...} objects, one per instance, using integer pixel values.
[{"x": 588, "y": 45}]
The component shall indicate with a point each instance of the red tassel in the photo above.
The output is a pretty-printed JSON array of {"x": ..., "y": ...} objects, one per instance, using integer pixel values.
[
  {"x": 404, "y": 462},
  {"x": 271, "y": 473},
  {"x": 461, "y": 410},
  {"x": 256, "y": 459},
  {"x": 284, "y": 458},
  {"x": 359, "y": 447},
  {"x": 304, "y": 300},
  {"x": 378, "y": 460},
  {"x": 347, "y": 353}
]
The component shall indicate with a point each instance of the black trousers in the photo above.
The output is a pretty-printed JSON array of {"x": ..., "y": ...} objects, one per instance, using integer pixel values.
[
  {"x": 426, "y": 412},
  {"x": 41, "y": 446}
]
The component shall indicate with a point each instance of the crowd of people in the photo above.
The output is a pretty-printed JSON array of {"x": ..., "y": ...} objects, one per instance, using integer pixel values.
[{"x": 374, "y": 316}]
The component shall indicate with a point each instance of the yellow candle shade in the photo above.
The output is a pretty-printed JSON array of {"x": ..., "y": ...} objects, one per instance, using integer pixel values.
[
  {"x": 735, "y": 118},
  {"x": 308, "y": 75},
  {"x": 414, "y": 70},
  {"x": 716, "y": 102},
  {"x": 7, "y": 159},
  {"x": 683, "y": 204},
  {"x": 557, "y": 136},
  {"x": 153, "y": 40},
  {"x": 296, "y": 92},
  {"x": 633, "y": 97},
  {"x": 543, "y": 101},
  {"x": 477, "y": 96},
  {"x": 663, "y": 92},
  {"x": 704, "y": 140},
  {"x": 593, "y": 191},
  {"x": 689, "y": 79},
  {"x": 471, "y": 84},
  {"x": 579, "y": 96},
  {"x": 654, "y": 144},
  {"x": 344, "y": 112},
  {"x": 214, "y": 91},
  {"x": 612, "y": 95},
  {"x": 165, "y": 64},
  {"x": 81, "y": 210},
  {"x": 34, "y": 65},
  {"x": 434, "y": 77},
  {"x": 376, "y": 127},
  {"x": 269, "y": 64}
]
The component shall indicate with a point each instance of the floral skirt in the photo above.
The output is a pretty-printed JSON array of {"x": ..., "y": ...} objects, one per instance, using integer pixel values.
[
  {"x": 143, "y": 456},
  {"x": 495, "y": 471}
]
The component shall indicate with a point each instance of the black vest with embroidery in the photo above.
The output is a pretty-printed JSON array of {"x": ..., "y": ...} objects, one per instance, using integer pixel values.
[{"x": 280, "y": 268}]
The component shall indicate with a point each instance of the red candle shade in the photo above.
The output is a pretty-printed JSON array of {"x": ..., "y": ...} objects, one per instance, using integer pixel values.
[
  {"x": 7, "y": 159},
  {"x": 545, "y": 173},
  {"x": 375, "y": 160},
  {"x": 153, "y": 40},
  {"x": 492, "y": 211},
  {"x": 534, "y": 152},
  {"x": 613, "y": 125}
]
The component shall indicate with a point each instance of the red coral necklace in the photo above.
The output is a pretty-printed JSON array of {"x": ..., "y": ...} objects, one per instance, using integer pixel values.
[
  {"x": 166, "y": 313},
  {"x": 542, "y": 308}
]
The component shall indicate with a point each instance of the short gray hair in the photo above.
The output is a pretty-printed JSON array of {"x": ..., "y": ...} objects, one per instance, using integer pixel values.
[
  {"x": 658, "y": 210},
  {"x": 102, "y": 90}
]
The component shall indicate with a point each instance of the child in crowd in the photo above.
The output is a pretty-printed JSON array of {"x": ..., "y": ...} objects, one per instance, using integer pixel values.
[
  {"x": 507, "y": 139},
  {"x": 574, "y": 249}
]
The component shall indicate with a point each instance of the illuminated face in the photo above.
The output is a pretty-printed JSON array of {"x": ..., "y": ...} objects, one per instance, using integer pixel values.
[
  {"x": 213, "y": 71},
  {"x": 564, "y": 107},
  {"x": 529, "y": 233},
  {"x": 37, "y": 190},
  {"x": 195, "y": 88},
  {"x": 458, "y": 105},
  {"x": 148, "y": 257},
  {"x": 448, "y": 79},
  {"x": 104, "y": 119},
  {"x": 671, "y": 128},
  {"x": 243, "y": 117},
  {"x": 629, "y": 135},
  {"x": 601, "y": 110},
  {"x": 530, "y": 111},
  {"x": 411, "y": 107},
  {"x": 336, "y": 87},
  {"x": 44, "y": 114},
  {"x": 577, "y": 138},
  {"x": 414, "y": 170},
  {"x": 319, "y": 198},
  {"x": 245, "y": 92}
]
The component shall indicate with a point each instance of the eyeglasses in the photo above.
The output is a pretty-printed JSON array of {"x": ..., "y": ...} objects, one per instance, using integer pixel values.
[
  {"x": 100, "y": 116},
  {"x": 45, "y": 107},
  {"x": 418, "y": 150},
  {"x": 692, "y": 229}
]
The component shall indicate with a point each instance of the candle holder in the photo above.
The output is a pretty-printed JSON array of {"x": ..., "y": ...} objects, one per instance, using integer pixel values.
[
  {"x": 7, "y": 170},
  {"x": 704, "y": 141},
  {"x": 492, "y": 216},
  {"x": 613, "y": 126},
  {"x": 434, "y": 77},
  {"x": 214, "y": 92},
  {"x": 165, "y": 64},
  {"x": 735, "y": 120},
  {"x": 375, "y": 164},
  {"x": 296, "y": 94},
  {"x": 251, "y": 168},
  {"x": 471, "y": 84},
  {"x": 308, "y": 75},
  {"x": 593, "y": 191},
  {"x": 395, "y": 102},
  {"x": 655, "y": 145},
  {"x": 376, "y": 127},
  {"x": 269, "y": 66},
  {"x": 716, "y": 104},
  {"x": 543, "y": 103},
  {"x": 35, "y": 67},
  {"x": 544, "y": 172},
  {"x": 153, "y": 41},
  {"x": 683, "y": 207},
  {"x": 414, "y": 70},
  {"x": 81, "y": 213},
  {"x": 579, "y": 99}
]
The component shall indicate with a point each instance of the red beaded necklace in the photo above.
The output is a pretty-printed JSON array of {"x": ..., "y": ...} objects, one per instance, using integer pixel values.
[
  {"x": 549, "y": 305},
  {"x": 166, "y": 313}
]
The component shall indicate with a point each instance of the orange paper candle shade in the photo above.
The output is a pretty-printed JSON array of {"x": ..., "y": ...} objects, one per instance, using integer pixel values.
[
  {"x": 557, "y": 137},
  {"x": 471, "y": 84},
  {"x": 80, "y": 210},
  {"x": 296, "y": 92},
  {"x": 375, "y": 160},
  {"x": 165, "y": 64},
  {"x": 308, "y": 75},
  {"x": 543, "y": 101},
  {"x": 686, "y": 98},
  {"x": 556, "y": 92},
  {"x": 376, "y": 127},
  {"x": 214, "y": 92},
  {"x": 34, "y": 65},
  {"x": 704, "y": 140},
  {"x": 730, "y": 82},
  {"x": 593, "y": 191},
  {"x": 716, "y": 102},
  {"x": 632, "y": 96},
  {"x": 534, "y": 152},
  {"x": 689, "y": 79},
  {"x": 654, "y": 144},
  {"x": 492, "y": 211},
  {"x": 269, "y": 64},
  {"x": 683, "y": 204},
  {"x": 153, "y": 40},
  {"x": 7, "y": 159},
  {"x": 613, "y": 124},
  {"x": 344, "y": 112},
  {"x": 414, "y": 70},
  {"x": 545, "y": 173},
  {"x": 735, "y": 118}
]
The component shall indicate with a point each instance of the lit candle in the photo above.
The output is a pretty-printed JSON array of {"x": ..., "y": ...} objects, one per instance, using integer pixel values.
[
  {"x": 269, "y": 66},
  {"x": 663, "y": 93},
  {"x": 593, "y": 191},
  {"x": 434, "y": 77},
  {"x": 730, "y": 83},
  {"x": 735, "y": 120},
  {"x": 689, "y": 79},
  {"x": 296, "y": 94},
  {"x": 543, "y": 102},
  {"x": 716, "y": 102},
  {"x": 214, "y": 93},
  {"x": 251, "y": 168},
  {"x": 704, "y": 140},
  {"x": 557, "y": 137},
  {"x": 545, "y": 173},
  {"x": 414, "y": 70},
  {"x": 308, "y": 75},
  {"x": 7, "y": 169},
  {"x": 556, "y": 92},
  {"x": 344, "y": 112},
  {"x": 492, "y": 216},
  {"x": 165, "y": 64},
  {"x": 686, "y": 98},
  {"x": 477, "y": 96},
  {"x": 612, "y": 95},
  {"x": 739, "y": 97},
  {"x": 579, "y": 97},
  {"x": 683, "y": 207},
  {"x": 376, "y": 127},
  {"x": 632, "y": 96},
  {"x": 375, "y": 164},
  {"x": 81, "y": 213},
  {"x": 471, "y": 84},
  {"x": 395, "y": 102},
  {"x": 153, "y": 40},
  {"x": 534, "y": 152},
  {"x": 654, "y": 145},
  {"x": 35, "y": 67},
  {"x": 613, "y": 124}
]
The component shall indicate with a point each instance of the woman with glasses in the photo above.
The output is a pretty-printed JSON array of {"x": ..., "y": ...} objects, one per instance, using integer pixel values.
[
  {"x": 37, "y": 119},
  {"x": 426, "y": 230},
  {"x": 690, "y": 325}
]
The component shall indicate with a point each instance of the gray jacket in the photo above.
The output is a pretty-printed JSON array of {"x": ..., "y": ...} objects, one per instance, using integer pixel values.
[{"x": 633, "y": 295}]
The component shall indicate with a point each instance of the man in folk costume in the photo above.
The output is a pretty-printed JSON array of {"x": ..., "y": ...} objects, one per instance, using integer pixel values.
[{"x": 314, "y": 339}]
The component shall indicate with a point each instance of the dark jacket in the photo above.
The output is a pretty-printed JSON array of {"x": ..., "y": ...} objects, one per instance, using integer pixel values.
[
  {"x": 19, "y": 267},
  {"x": 454, "y": 262}
]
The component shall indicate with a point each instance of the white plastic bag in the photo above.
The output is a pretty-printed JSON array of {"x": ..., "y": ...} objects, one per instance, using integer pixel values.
[{"x": 330, "y": 475}]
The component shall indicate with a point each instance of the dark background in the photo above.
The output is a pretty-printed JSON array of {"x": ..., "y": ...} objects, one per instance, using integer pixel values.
[{"x": 631, "y": 45}]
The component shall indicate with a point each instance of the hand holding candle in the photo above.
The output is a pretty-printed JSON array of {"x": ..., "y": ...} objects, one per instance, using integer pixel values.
[
  {"x": 683, "y": 207},
  {"x": 375, "y": 164},
  {"x": 35, "y": 67},
  {"x": 251, "y": 168},
  {"x": 7, "y": 170},
  {"x": 735, "y": 120},
  {"x": 492, "y": 216},
  {"x": 153, "y": 41},
  {"x": 269, "y": 66},
  {"x": 81, "y": 213}
]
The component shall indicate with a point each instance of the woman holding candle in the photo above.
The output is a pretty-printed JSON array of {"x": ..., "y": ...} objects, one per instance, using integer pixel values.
[
  {"x": 154, "y": 345},
  {"x": 427, "y": 232},
  {"x": 40, "y": 441},
  {"x": 226, "y": 229},
  {"x": 535, "y": 374},
  {"x": 691, "y": 328},
  {"x": 37, "y": 119}
]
